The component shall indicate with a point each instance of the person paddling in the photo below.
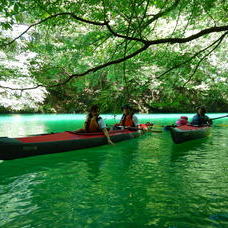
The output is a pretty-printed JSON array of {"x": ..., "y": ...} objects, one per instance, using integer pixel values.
[
  {"x": 201, "y": 118},
  {"x": 94, "y": 123}
]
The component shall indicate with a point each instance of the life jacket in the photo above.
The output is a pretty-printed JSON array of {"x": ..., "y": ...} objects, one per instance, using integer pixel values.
[
  {"x": 127, "y": 120},
  {"x": 92, "y": 125}
]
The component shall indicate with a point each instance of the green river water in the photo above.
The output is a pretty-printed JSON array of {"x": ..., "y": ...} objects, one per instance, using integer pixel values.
[{"x": 144, "y": 182}]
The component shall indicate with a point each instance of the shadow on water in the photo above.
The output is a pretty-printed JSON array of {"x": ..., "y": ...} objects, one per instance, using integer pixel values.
[
  {"x": 44, "y": 164},
  {"x": 191, "y": 147}
]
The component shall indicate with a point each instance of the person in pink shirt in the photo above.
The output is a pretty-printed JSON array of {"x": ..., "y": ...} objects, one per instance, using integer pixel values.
[{"x": 182, "y": 121}]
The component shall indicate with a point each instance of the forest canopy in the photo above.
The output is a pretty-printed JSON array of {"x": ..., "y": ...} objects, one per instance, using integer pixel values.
[{"x": 160, "y": 55}]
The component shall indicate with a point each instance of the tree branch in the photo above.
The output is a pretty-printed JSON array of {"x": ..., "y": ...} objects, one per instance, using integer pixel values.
[
  {"x": 195, "y": 55},
  {"x": 162, "y": 13},
  {"x": 181, "y": 40},
  {"x": 92, "y": 70},
  {"x": 123, "y": 36},
  {"x": 22, "y": 89},
  {"x": 205, "y": 56},
  {"x": 189, "y": 38},
  {"x": 50, "y": 17},
  {"x": 146, "y": 43}
]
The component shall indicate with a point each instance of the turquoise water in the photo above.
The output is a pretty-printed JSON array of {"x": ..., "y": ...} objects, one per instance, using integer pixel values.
[{"x": 143, "y": 182}]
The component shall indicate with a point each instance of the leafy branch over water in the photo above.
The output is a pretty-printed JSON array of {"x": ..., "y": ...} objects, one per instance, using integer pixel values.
[{"x": 118, "y": 47}]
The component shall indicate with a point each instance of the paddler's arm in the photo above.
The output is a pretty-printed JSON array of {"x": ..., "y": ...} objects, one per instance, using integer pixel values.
[
  {"x": 103, "y": 127},
  {"x": 107, "y": 136},
  {"x": 209, "y": 121},
  {"x": 135, "y": 120}
]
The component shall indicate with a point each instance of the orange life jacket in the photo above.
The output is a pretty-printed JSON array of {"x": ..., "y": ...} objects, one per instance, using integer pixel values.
[
  {"x": 92, "y": 125},
  {"x": 127, "y": 120}
]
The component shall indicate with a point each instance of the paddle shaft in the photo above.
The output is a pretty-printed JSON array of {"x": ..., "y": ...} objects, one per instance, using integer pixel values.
[{"x": 218, "y": 117}]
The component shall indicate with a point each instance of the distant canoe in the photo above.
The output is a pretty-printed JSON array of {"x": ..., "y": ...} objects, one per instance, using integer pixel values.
[{"x": 185, "y": 133}]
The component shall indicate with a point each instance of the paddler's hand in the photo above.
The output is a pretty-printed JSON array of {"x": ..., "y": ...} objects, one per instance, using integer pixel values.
[{"x": 110, "y": 142}]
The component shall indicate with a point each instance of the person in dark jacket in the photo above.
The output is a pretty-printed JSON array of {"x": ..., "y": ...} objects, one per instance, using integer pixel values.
[{"x": 201, "y": 118}]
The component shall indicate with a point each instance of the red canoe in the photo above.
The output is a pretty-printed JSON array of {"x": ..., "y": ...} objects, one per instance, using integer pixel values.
[
  {"x": 12, "y": 148},
  {"x": 187, "y": 132}
]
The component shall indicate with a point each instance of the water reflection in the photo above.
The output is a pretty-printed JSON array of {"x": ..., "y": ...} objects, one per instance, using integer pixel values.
[
  {"x": 17, "y": 199},
  {"x": 31, "y": 180},
  {"x": 110, "y": 194},
  {"x": 20, "y": 125},
  {"x": 181, "y": 151},
  {"x": 142, "y": 182},
  {"x": 17, "y": 126}
]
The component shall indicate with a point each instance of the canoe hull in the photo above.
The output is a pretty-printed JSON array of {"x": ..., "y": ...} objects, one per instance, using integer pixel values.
[
  {"x": 13, "y": 148},
  {"x": 185, "y": 133}
]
